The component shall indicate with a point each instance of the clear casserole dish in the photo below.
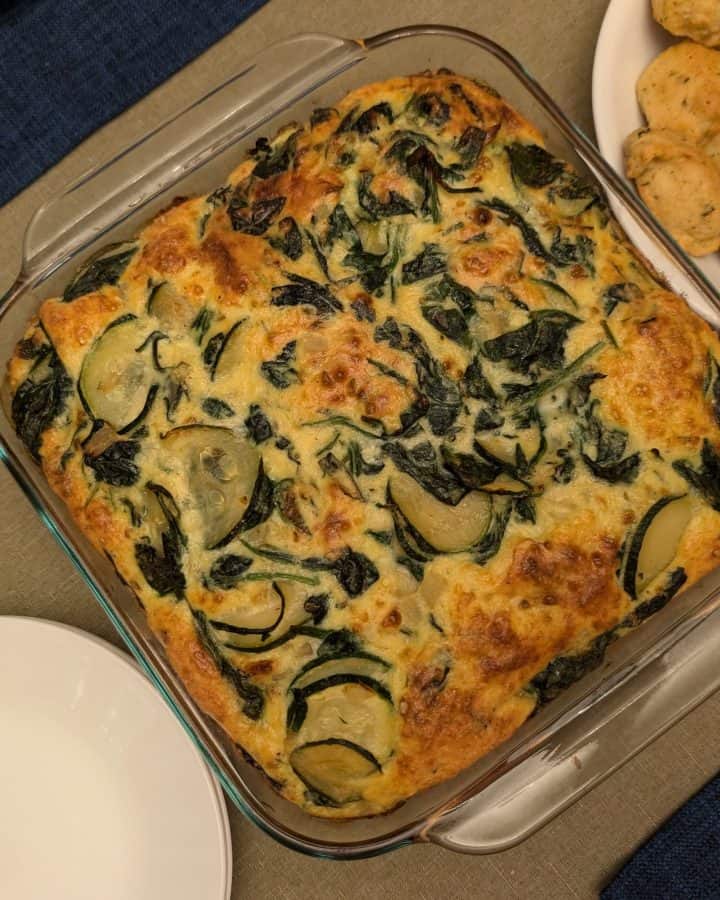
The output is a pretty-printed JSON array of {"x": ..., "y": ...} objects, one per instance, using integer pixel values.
[{"x": 648, "y": 680}]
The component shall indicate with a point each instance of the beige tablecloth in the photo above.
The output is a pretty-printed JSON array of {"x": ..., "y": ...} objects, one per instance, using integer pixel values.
[{"x": 574, "y": 855}]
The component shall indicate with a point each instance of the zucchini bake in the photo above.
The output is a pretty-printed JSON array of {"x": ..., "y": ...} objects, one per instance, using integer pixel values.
[{"x": 391, "y": 434}]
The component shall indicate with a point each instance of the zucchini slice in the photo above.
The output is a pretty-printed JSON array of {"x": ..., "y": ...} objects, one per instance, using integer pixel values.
[
  {"x": 449, "y": 529},
  {"x": 655, "y": 542},
  {"x": 352, "y": 711},
  {"x": 221, "y": 469},
  {"x": 231, "y": 355},
  {"x": 334, "y": 768},
  {"x": 118, "y": 378},
  {"x": 366, "y": 664},
  {"x": 262, "y": 618},
  {"x": 170, "y": 308},
  {"x": 259, "y": 613}
]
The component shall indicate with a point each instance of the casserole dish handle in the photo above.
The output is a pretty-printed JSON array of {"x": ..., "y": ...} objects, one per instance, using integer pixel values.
[
  {"x": 559, "y": 772},
  {"x": 141, "y": 179}
]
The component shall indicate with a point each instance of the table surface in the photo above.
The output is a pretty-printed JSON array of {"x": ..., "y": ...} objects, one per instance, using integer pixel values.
[{"x": 574, "y": 855}]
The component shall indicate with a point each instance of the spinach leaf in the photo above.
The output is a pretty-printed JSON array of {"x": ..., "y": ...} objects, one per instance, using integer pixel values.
[
  {"x": 676, "y": 579},
  {"x": 488, "y": 420},
  {"x": 40, "y": 399},
  {"x": 115, "y": 465},
  {"x": 201, "y": 323},
  {"x": 430, "y": 107},
  {"x": 369, "y": 120},
  {"x": 706, "y": 478},
  {"x": 316, "y": 606},
  {"x": 341, "y": 642},
  {"x": 533, "y": 165},
  {"x": 442, "y": 400},
  {"x": 510, "y": 216},
  {"x": 319, "y": 255},
  {"x": 610, "y": 445},
  {"x": 565, "y": 469},
  {"x": 279, "y": 371},
  {"x": 322, "y": 114},
  {"x": 424, "y": 169},
  {"x": 104, "y": 268},
  {"x": 290, "y": 241},
  {"x": 446, "y": 288},
  {"x": 305, "y": 292},
  {"x": 566, "y": 252},
  {"x": 276, "y": 159},
  {"x": 449, "y": 322},
  {"x": 355, "y": 572},
  {"x": 475, "y": 384},
  {"x": 382, "y": 537},
  {"x": 523, "y": 394},
  {"x": 490, "y": 544},
  {"x": 395, "y": 205},
  {"x": 217, "y": 409},
  {"x": 227, "y": 570},
  {"x": 566, "y": 670},
  {"x": 471, "y": 144},
  {"x": 258, "y": 425},
  {"x": 525, "y": 509},
  {"x": 287, "y": 505},
  {"x": 253, "y": 701},
  {"x": 538, "y": 344},
  {"x": 162, "y": 569},
  {"x": 420, "y": 462},
  {"x": 471, "y": 471},
  {"x": 256, "y": 218},
  {"x": 357, "y": 465},
  {"x": 430, "y": 261},
  {"x": 363, "y": 310},
  {"x": 340, "y": 228}
]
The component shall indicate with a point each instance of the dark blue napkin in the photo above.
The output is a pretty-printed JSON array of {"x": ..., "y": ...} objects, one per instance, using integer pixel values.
[
  {"x": 680, "y": 862},
  {"x": 69, "y": 66}
]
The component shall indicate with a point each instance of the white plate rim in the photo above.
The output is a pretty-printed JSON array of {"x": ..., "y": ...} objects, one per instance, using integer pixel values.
[{"x": 135, "y": 672}]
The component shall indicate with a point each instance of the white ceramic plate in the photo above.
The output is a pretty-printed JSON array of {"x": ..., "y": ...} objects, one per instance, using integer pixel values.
[
  {"x": 102, "y": 794},
  {"x": 629, "y": 40}
]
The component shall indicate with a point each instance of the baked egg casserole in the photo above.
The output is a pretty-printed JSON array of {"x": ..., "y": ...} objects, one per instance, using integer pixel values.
[{"x": 391, "y": 435}]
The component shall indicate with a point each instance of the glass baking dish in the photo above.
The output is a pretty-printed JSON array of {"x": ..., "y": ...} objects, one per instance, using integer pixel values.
[{"x": 649, "y": 679}]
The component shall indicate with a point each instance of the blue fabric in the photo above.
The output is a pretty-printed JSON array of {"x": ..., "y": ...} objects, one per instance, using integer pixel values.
[
  {"x": 69, "y": 66},
  {"x": 680, "y": 862}
]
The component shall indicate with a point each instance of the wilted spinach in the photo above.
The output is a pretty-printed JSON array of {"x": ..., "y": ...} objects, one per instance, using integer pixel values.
[
  {"x": 609, "y": 446},
  {"x": 40, "y": 399},
  {"x": 420, "y": 462},
  {"x": 440, "y": 398},
  {"x": 227, "y": 570},
  {"x": 430, "y": 261},
  {"x": 115, "y": 465},
  {"x": 430, "y": 107},
  {"x": 305, "y": 292},
  {"x": 104, "y": 269},
  {"x": 533, "y": 165},
  {"x": 566, "y": 670},
  {"x": 290, "y": 241},
  {"x": 274, "y": 160},
  {"x": 486, "y": 548},
  {"x": 706, "y": 478},
  {"x": 449, "y": 322},
  {"x": 471, "y": 144},
  {"x": 162, "y": 568},
  {"x": 279, "y": 371},
  {"x": 217, "y": 409},
  {"x": 258, "y": 425},
  {"x": 253, "y": 701},
  {"x": 256, "y": 218},
  {"x": 540, "y": 344},
  {"x": 369, "y": 120},
  {"x": 395, "y": 205}
]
